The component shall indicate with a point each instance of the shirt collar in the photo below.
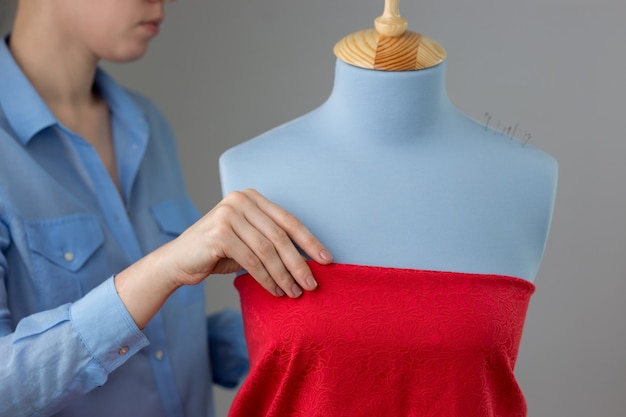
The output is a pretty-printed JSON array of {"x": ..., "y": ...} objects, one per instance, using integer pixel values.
[
  {"x": 25, "y": 111},
  {"x": 28, "y": 114},
  {"x": 121, "y": 104}
]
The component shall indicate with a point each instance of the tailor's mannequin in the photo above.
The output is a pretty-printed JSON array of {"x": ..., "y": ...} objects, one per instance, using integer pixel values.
[{"x": 388, "y": 172}]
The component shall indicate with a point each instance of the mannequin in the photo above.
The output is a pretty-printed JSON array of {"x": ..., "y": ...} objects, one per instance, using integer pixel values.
[
  {"x": 435, "y": 223},
  {"x": 388, "y": 172}
]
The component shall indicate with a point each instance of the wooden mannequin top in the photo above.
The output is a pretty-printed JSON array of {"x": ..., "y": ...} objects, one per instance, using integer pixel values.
[
  {"x": 387, "y": 172},
  {"x": 389, "y": 46}
]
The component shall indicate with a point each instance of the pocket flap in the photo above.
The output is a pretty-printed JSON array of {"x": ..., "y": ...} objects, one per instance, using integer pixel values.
[
  {"x": 66, "y": 241},
  {"x": 175, "y": 215}
]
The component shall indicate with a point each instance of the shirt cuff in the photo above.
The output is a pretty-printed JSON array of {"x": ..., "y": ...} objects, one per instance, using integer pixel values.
[{"x": 105, "y": 326}]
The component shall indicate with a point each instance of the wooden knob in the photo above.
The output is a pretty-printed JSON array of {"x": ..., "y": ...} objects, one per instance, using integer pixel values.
[
  {"x": 389, "y": 46},
  {"x": 390, "y": 23}
]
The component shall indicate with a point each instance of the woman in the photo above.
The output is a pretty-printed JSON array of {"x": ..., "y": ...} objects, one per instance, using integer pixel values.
[{"x": 101, "y": 247}]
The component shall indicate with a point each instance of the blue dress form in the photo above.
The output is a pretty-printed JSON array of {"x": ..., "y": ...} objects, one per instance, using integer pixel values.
[{"x": 388, "y": 172}]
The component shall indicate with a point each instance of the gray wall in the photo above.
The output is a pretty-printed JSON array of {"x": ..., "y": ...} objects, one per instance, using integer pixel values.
[{"x": 224, "y": 72}]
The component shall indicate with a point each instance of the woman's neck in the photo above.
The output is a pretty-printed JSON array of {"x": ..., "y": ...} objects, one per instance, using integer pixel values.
[
  {"x": 388, "y": 103},
  {"x": 61, "y": 71}
]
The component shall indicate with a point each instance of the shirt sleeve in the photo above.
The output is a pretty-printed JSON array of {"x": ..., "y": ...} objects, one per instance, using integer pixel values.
[
  {"x": 56, "y": 355},
  {"x": 227, "y": 347}
]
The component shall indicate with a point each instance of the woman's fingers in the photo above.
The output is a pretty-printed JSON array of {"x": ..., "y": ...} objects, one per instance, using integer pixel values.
[
  {"x": 261, "y": 257},
  {"x": 268, "y": 230},
  {"x": 250, "y": 261},
  {"x": 290, "y": 224}
]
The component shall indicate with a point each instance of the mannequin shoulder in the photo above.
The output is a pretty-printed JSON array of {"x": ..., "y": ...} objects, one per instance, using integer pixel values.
[
  {"x": 290, "y": 140},
  {"x": 503, "y": 152},
  {"x": 535, "y": 165}
]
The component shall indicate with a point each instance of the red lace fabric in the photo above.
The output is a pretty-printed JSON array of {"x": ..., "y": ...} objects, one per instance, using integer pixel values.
[{"x": 372, "y": 341}]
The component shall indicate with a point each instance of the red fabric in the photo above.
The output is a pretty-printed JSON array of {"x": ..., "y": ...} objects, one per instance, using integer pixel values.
[{"x": 372, "y": 341}]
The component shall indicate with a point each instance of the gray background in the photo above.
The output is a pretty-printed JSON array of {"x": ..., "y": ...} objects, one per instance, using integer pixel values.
[{"x": 224, "y": 72}]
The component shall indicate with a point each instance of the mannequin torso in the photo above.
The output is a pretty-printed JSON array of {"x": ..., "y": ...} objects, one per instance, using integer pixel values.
[
  {"x": 388, "y": 172},
  {"x": 436, "y": 224}
]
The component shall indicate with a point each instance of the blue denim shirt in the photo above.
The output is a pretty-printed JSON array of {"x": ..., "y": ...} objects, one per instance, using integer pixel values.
[{"x": 68, "y": 346}]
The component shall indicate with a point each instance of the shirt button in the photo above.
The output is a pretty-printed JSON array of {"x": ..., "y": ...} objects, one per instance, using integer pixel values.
[
  {"x": 158, "y": 354},
  {"x": 68, "y": 256},
  {"x": 123, "y": 350}
]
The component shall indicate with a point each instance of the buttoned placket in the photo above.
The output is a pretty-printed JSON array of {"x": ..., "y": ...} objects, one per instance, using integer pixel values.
[{"x": 118, "y": 219}]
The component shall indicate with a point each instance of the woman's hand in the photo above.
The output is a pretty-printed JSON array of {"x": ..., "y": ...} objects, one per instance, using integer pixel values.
[{"x": 245, "y": 230}]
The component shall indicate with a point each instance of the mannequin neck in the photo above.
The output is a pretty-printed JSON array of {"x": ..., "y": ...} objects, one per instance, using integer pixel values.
[{"x": 388, "y": 103}]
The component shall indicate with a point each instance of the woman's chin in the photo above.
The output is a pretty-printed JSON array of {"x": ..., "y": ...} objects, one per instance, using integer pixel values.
[{"x": 128, "y": 54}]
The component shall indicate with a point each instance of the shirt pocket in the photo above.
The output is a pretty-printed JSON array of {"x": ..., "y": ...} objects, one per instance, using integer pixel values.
[
  {"x": 174, "y": 216},
  {"x": 66, "y": 259}
]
